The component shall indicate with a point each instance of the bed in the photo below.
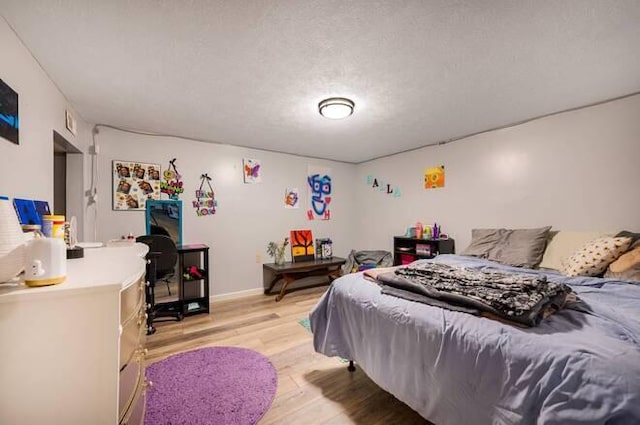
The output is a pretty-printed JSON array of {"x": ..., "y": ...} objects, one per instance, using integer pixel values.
[{"x": 578, "y": 366}]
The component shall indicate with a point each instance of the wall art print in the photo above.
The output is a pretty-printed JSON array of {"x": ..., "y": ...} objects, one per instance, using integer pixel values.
[
  {"x": 205, "y": 202},
  {"x": 382, "y": 186},
  {"x": 291, "y": 198},
  {"x": 9, "y": 122},
  {"x": 320, "y": 193},
  {"x": 302, "y": 248},
  {"x": 172, "y": 184},
  {"x": 251, "y": 170},
  {"x": 434, "y": 177},
  {"x": 134, "y": 183}
]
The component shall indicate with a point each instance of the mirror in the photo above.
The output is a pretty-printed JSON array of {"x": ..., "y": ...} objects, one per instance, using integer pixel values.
[{"x": 165, "y": 218}]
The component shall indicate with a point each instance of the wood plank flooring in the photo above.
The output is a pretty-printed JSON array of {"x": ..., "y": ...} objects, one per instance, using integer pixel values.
[{"x": 312, "y": 388}]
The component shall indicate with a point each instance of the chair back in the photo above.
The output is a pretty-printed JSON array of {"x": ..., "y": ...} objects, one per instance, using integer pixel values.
[{"x": 167, "y": 249}]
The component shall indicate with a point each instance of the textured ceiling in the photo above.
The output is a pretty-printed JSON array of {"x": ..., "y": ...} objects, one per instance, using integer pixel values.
[{"x": 251, "y": 73}]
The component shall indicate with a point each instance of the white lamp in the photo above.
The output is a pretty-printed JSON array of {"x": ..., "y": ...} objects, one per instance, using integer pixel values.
[{"x": 336, "y": 108}]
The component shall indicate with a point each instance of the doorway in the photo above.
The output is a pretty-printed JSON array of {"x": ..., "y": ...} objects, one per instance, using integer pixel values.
[{"x": 67, "y": 180}]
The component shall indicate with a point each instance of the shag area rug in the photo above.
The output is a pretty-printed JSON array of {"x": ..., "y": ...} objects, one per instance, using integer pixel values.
[{"x": 213, "y": 385}]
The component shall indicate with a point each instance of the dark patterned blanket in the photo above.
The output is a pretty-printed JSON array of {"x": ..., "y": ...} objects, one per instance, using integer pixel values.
[{"x": 516, "y": 297}]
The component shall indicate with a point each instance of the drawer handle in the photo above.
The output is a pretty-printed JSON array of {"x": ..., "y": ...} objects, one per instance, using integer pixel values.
[
  {"x": 142, "y": 318},
  {"x": 142, "y": 352}
]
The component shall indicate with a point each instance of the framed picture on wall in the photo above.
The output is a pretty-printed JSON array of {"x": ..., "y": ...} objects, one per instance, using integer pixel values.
[
  {"x": 9, "y": 122},
  {"x": 134, "y": 183}
]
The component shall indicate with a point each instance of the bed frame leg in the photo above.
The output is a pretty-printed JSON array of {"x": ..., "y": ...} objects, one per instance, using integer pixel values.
[{"x": 351, "y": 367}]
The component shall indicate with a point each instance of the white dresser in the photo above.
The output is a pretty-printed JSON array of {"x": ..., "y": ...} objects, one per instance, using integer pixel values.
[{"x": 73, "y": 353}]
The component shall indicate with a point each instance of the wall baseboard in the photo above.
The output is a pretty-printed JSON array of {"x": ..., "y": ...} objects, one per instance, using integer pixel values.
[{"x": 234, "y": 295}]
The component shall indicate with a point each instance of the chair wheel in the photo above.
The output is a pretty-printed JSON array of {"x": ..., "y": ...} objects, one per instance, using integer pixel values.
[{"x": 180, "y": 317}]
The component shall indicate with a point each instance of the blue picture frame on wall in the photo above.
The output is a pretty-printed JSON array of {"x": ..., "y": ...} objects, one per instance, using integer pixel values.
[
  {"x": 164, "y": 217},
  {"x": 9, "y": 121}
]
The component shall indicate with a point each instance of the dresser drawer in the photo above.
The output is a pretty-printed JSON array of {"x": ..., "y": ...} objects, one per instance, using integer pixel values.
[
  {"x": 130, "y": 299},
  {"x": 130, "y": 378},
  {"x": 135, "y": 415},
  {"x": 132, "y": 405},
  {"x": 133, "y": 335}
]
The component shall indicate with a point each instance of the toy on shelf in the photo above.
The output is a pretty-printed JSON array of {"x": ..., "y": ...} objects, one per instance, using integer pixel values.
[{"x": 192, "y": 273}]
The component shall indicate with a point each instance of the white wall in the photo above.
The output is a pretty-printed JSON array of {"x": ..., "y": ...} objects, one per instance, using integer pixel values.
[
  {"x": 27, "y": 168},
  {"x": 577, "y": 170},
  {"x": 248, "y": 215}
]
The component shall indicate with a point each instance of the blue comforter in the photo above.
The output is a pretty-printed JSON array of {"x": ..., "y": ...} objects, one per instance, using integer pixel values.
[{"x": 579, "y": 366}]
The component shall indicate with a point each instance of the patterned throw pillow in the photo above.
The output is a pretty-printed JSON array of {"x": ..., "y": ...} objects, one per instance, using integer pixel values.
[{"x": 594, "y": 257}]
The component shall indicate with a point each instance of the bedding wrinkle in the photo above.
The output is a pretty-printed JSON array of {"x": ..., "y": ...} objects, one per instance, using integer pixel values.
[{"x": 444, "y": 331}]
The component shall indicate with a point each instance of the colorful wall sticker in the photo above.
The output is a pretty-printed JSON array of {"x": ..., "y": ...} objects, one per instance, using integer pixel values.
[
  {"x": 382, "y": 186},
  {"x": 434, "y": 177},
  {"x": 205, "y": 202},
  {"x": 320, "y": 193},
  {"x": 172, "y": 184}
]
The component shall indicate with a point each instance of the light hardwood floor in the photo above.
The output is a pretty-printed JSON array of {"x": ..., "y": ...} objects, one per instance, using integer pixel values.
[{"x": 312, "y": 388}]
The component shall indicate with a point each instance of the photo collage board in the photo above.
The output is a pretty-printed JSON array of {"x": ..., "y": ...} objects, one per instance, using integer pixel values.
[{"x": 134, "y": 183}]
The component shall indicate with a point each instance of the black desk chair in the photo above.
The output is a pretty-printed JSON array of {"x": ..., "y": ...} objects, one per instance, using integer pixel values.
[
  {"x": 163, "y": 255},
  {"x": 166, "y": 261}
]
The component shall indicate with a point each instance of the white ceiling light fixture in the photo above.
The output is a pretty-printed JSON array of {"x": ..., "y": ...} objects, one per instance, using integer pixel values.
[{"x": 336, "y": 108}]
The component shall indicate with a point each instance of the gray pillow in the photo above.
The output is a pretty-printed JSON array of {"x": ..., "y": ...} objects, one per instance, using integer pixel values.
[
  {"x": 521, "y": 247},
  {"x": 483, "y": 241}
]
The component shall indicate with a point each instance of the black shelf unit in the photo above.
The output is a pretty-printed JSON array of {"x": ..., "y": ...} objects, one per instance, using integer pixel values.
[
  {"x": 407, "y": 249},
  {"x": 193, "y": 293}
]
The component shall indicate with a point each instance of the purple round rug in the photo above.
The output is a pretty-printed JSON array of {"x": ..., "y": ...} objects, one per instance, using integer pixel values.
[{"x": 213, "y": 385}]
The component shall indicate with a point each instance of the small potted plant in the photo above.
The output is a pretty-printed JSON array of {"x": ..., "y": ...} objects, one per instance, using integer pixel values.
[{"x": 277, "y": 251}]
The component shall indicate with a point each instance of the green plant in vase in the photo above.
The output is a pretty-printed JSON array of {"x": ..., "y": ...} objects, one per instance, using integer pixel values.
[{"x": 277, "y": 251}]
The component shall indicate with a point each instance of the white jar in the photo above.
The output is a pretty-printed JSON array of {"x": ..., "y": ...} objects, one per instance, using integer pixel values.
[{"x": 45, "y": 262}]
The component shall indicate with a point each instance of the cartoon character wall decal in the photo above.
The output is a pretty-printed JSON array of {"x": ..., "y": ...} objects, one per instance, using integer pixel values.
[
  {"x": 434, "y": 177},
  {"x": 319, "y": 184}
]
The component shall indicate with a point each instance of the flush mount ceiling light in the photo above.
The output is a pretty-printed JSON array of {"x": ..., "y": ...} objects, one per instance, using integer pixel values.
[{"x": 336, "y": 108}]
